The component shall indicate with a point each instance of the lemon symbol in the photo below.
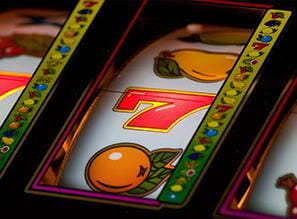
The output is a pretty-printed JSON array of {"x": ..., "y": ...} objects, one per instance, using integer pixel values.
[{"x": 195, "y": 64}]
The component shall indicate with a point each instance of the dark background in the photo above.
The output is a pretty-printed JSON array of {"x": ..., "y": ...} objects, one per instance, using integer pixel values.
[{"x": 91, "y": 56}]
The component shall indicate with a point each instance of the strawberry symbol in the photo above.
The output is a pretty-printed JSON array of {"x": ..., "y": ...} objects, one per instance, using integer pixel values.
[
  {"x": 203, "y": 140},
  {"x": 32, "y": 94},
  {"x": 90, "y": 4},
  {"x": 81, "y": 19},
  {"x": 45, "y": 71},
  {"x": 18, "y": 118},
  {"x": 276, "y": 15},
  {"x": 223, "y": 108}
]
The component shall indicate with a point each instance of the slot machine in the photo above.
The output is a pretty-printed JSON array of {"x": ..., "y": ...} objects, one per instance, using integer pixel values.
[
  {"x": 154, "y": 106},
  {"x": 27, "y": 31},
  {"x": 265, "y": 185}
]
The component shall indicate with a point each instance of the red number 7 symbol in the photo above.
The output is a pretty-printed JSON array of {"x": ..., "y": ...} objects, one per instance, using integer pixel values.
[
  {"x": 167, "y": 107},
  {"x": 12, "y": 82}
]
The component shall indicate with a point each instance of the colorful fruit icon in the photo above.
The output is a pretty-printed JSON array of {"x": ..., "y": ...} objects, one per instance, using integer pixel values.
[
  {"x": 276, "y": 15},
  {"x": 29, "y": 102},
  {"x": 63, "y": 49},
  {"x": 85, "y": 11},
  {"x": 40, "y": 87},
  {"x": 254, "y": 54},
  {"x": 199, "y": 148},
  {"x": 176, "y": 188},
  {"x": 218, "y": 116},
  {"x": 19, "y": 117},
  {"x": 232, "y": 92},
  {"x": 67, "y": 41},
  {"x": 241, "y": 77},
  {"x": 119, "y": 168},
  {"x": 237, "y": 84},
  {"x": 57, "y": 56},
  {"x": 70, "y": 34},
  {"x": 213, "y": 124},
  {"x": 90, "y": 3},
  {"x": 7, "y": 140},
  {"x": 23, "y": 109},
  {"x": 194, "y": 64},
  {"x": 129, "y": 168},
  {"x": 228, "y": 100},
  {"x": 273, "y": 23},
  {"x": 4, "y": 149},
  {"x": 269, "y": 30},
  {"x": 264, "y": 38},
  {"x": 14, "y": 125}
]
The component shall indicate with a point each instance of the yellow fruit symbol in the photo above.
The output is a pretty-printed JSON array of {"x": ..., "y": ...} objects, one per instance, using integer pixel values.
[
  {"x": 195, "y": 64},
  {"x": 129, "y": 168}
]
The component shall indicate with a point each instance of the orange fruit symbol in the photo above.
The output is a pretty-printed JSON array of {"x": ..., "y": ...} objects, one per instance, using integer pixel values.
[{"x": 118, "y": 168}]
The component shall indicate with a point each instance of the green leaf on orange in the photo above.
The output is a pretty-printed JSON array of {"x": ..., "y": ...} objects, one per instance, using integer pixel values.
[{"x": 160, "y": 160}]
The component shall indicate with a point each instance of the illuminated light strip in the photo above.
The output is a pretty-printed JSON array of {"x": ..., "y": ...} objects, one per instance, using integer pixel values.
[
  {"x": 205, "y": 141},
  {"x": 36, "y": 187},
  {"x": 236, "y": 3},
  {"x": 48, "y": 72}
]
